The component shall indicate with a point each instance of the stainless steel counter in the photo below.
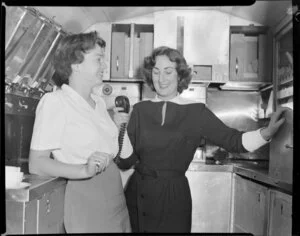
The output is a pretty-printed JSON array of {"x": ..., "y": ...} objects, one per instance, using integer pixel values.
[
  {"x": 199, "y": 166},
  {"x": 38, "y": 186},
  {"x": 262, "y": 176},
  {"x": 253, "y": 172}
]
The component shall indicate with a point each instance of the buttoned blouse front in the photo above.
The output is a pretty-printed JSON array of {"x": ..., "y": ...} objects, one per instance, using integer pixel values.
[{"x": 67, "y": 124}]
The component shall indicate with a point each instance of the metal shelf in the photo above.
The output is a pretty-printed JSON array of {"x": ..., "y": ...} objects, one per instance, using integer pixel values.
[
  {"x": 285, "y": 97},
  {"x": 286, "y": 81}
]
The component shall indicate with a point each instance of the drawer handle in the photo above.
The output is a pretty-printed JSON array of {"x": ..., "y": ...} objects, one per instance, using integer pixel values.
[
  {"x": 236, "y": 66},
  {"x": 289, "y": 146},
  {"x": 48, "y": 206},
  {"x": 117, "y": 63}
]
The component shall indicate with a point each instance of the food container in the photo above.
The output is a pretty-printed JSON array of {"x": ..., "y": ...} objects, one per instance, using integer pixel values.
[{"x": 13, "y": 177}]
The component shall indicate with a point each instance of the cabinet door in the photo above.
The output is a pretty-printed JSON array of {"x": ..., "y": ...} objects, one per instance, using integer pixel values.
[
  {"x": 249, "y": 57},
  {"x": 211, "y": 200},
  {"x": 51, "y": 212},
  {"x": 249, "y": 211},
  {"x": 118, "y": 54},
  {"x": 206, "y": 42},
  {"x": 205, "y": 38},
  {"x": 30, "y": 224},
  {"x": 280, "y": 214},
  {"x": 237, "y": 56},
  {"x": 281, "y": 151},
  {"x": 14, "y": 217}
]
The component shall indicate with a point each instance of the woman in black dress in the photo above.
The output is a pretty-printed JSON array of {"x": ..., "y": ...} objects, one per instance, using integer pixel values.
[{"x": 165, "y": 133}]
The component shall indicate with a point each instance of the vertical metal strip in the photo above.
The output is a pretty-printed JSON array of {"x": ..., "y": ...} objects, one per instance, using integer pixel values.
[
  {"x": 180, "y": 34},
  {"x": 16, "y": 28},
  {"x": 31, "y": 46},
  {"x": 131, "y": 51},
  {"x": 37, "y": 215},
  {"x": 23, "y": 217},
  {"x": 46, "y": 57},
  {"x": 27, "y": 65},
  {"x": 232, "y": 207}
]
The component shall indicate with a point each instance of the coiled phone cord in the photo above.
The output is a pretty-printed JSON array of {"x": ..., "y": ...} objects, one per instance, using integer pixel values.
[{"x": 120, "y": 140}]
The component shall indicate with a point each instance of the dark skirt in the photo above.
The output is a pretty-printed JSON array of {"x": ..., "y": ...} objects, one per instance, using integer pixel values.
[{"x": 159, "y": 204}]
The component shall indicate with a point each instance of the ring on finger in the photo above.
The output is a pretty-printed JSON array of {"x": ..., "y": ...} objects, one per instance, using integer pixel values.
[{"x": 97, "y": 167}]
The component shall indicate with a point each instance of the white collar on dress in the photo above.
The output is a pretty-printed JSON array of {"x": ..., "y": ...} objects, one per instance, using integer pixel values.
[{"x": 178, "y": 100}]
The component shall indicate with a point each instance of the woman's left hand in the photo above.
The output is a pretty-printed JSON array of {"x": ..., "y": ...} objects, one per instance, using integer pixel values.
[
  {"x": 276, "y": 121},
  {"x": 120, "y": 117}
]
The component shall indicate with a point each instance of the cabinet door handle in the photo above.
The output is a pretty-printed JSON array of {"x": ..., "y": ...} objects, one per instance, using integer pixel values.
[
  {"x": 48, "y": 206},
  {"x": 117, "y": 64},
  {"x": 289, "y": 146},
  {"x": 236, "y": 66}
]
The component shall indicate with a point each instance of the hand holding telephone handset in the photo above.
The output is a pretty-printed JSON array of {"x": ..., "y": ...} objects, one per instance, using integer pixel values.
[{"x": 121, "y": 101}]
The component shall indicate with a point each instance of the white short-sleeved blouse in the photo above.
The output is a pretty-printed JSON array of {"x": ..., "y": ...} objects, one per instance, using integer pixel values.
[{"x": 67, "y": 124}]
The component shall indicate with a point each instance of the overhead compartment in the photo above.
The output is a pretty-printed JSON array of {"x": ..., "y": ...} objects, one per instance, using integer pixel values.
[{"x": 205, "y": 38}]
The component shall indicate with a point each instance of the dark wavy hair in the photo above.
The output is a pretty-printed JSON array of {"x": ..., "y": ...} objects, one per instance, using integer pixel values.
[
  {"x": 183, "y": 70},
  {"x": 70, "y": 51}
]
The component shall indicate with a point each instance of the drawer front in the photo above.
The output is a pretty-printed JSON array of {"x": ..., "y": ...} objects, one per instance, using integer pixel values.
[{"x": 51, "y": 212}]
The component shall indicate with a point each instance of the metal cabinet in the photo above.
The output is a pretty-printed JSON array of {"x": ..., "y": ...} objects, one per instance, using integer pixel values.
[
  {"x": 51, "y": 212},
  {"x": 130, "y": 44},
  {"x": 280, "y": 214},
  {"x": 250, "y": 207},
  {"x": 281, "y": 147},
  {"x": 283, "y": 63},
  {"x": 21, "y": 217},
  {"x": 249, "y": 54},
  {"x": 202, "y": 36},
  {"x": 281, "y": 151},
  {"x": 211, "y": 200},
  {"x": 38, "y": 215}
]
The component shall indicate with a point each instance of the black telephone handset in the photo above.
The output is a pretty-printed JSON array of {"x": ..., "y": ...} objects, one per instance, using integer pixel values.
[{"x": 121, "y": 101}]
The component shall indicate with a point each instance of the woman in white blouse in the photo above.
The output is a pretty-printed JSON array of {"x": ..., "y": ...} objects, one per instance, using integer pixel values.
[{"x": 74, "y": 126}]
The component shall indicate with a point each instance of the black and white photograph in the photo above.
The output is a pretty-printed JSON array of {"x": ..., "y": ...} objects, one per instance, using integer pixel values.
[{"x": 149, "y": 119}]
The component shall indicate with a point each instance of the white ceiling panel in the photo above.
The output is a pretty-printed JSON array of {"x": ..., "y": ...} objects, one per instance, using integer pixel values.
[
  {"x": 76, "y": 19},
  {"x": 72, "y": 19}
]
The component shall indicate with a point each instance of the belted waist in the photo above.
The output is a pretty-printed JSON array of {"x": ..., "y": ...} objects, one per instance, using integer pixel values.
[{"x": 144, "y": 170}]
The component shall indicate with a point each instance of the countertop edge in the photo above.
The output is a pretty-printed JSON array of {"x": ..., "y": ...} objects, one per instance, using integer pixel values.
[
  {"x": 41, "y": 185},
  {"x": 256, "y": 174},
  {"x": 38, "y": 187}
]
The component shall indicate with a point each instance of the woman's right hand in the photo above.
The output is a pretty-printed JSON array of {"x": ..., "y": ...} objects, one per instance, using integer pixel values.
[{"x": 97, "y": 162}]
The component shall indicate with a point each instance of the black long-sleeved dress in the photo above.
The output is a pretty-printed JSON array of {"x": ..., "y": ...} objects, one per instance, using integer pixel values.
[{"x": 158, "y": 194}]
